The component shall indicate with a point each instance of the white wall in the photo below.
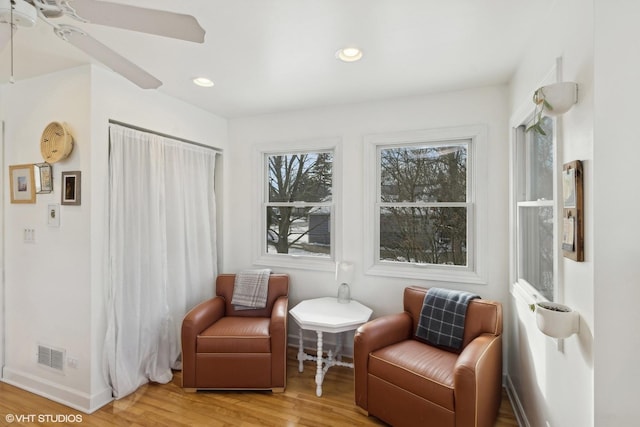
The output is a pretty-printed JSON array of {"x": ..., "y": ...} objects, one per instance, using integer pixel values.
[
  {"x": 351, "y": 123},
  {"x": 3, "y": 189},
  {"x": 55, "y": 292},
  {"x": 47, "y": 284},
  {"x": 617, "y": 270},
  {"x": 555, "y": 388}
]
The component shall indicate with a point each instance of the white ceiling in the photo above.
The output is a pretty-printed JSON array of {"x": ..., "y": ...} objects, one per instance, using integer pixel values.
[{"x": 276, "y": 55}]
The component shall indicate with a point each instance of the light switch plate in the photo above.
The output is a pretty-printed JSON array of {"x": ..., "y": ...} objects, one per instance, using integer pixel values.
[
  {"x": 29, "y": 235},
  {"x": 53, "y": 215}
]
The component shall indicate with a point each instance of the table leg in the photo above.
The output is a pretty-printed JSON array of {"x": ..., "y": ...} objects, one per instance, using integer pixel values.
[
  {"x": 319, "y": 373},
  {"x": 300, "y": 353},
  {"x": 339, "y": 346}
]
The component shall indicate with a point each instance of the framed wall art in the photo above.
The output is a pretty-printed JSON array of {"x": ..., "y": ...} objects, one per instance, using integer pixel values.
[
  {"x": 21, "y": 179},
  {"x": 71, "y": 188},
  {"x": 43, "y": 178}
]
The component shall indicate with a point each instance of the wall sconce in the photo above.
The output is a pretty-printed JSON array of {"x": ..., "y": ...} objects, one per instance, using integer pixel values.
[{"x": 344, "y": 276}]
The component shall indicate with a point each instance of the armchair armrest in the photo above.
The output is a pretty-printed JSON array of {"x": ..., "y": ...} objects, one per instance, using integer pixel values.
[
  {"x": 278, "y": 332},
  {"x": 383, "y": 331},
  {"x": 279, "y": 311},
  {"x": 202, "y": 316},
  {"x": 478, "y": 381},
  {"x": 371, "y": 336},
  {"x": 198, "y": 319},
  {"x": 278, "y": 325}
]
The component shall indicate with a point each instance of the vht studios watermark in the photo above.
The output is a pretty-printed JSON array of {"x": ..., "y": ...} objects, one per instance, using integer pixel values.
[{"x": 43, "y": 418}]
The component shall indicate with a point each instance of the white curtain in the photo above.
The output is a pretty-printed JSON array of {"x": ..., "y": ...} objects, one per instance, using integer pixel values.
[{"x": 162, "y": 251}]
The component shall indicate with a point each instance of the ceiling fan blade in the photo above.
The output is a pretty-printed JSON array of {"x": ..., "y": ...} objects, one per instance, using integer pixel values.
[
  {"x": 107, "y": 56},
  {"x": 152, "y": 21}
]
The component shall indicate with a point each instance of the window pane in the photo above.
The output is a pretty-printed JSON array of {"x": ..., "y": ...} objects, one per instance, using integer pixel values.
[
  {"x": 536, "y": 248},
  {"x": 299, "y": 230},
  {"x": 424, "y": 235},
  {"x": 300, "y": 177},
  {"x": 540, "y": 153},
  {"x": 424, "y": 174}
]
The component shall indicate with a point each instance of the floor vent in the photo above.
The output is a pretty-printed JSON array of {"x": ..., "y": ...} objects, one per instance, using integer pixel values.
[{"x": 51, "y": 357}]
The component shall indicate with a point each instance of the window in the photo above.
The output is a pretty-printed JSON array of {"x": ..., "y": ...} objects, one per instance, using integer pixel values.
[
  {"x": 535, "y": 208},
  {"x": 298, "y": 206},
  {"x": 422, "y": 206},
  {"x": 425, "y": 219}
]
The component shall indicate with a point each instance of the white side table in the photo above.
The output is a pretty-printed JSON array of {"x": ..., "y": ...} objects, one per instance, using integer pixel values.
[{"x": 327, "y": 315}]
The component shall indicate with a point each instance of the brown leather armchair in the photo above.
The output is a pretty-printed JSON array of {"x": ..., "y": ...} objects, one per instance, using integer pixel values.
[
  {"x": 407, "y": 382},
  {"x": 224, "y": 348}
]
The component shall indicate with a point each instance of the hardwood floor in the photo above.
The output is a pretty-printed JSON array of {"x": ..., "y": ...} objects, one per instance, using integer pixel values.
[{"x": 169, "y": 405}]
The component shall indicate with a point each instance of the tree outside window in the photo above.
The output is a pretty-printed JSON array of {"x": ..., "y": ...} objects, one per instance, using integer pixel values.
[
  {"x": 299, "y": 203},
  {"x": 423, "y": 203}
]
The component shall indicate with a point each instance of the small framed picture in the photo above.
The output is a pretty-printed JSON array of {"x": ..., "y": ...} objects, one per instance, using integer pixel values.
[
  {"x": 44, "y": 178},
  {"x": 71, "y": 189},
  {"x": 23, "y": 189}
]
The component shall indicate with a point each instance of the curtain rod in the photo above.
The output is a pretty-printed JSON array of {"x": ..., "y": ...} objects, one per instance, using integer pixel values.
[{"x": 141, "y": 129}]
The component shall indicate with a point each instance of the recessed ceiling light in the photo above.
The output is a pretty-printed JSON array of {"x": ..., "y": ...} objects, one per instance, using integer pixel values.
[
  {"x": 203, "y": 82},
  {"x": 349, "y": 54}
]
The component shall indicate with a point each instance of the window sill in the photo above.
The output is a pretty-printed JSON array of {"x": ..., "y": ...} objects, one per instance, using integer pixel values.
[
  {"x": 526, "y": 293},
  {"x": 413, "y": 271},
  {"x": 296, "y": 261}
]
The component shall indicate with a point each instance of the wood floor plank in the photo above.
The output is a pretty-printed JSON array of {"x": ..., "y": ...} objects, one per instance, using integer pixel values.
[{"x": 168, "y": 405}]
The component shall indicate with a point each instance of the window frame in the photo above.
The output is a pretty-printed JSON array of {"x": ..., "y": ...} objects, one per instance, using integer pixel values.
[
  {"x": 520, "y": 284},
  {"x": 262, "y": 153},
  {"x": 475, "y": 270}
]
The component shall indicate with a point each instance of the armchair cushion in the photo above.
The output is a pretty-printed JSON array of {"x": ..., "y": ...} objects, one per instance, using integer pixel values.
[
  {"x": 236, "y": 335},
  {"x": 428, "y": 373}
]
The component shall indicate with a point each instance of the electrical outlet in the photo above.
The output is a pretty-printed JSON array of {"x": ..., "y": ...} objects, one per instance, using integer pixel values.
[{"x": 72, "y": 362}]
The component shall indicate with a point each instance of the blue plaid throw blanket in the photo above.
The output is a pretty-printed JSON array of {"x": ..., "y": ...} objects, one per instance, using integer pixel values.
[
  {"x": 250, "y": 289},
  {"x": 442, "y": 317}
]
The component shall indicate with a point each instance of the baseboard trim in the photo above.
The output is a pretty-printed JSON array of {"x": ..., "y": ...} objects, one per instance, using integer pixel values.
[
  {"x": 58, "y": 393},
  {"x": 516, "y": 404}
]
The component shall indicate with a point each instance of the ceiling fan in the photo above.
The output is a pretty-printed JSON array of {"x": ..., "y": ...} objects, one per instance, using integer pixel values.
[{"x": 24, "y": 13}]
